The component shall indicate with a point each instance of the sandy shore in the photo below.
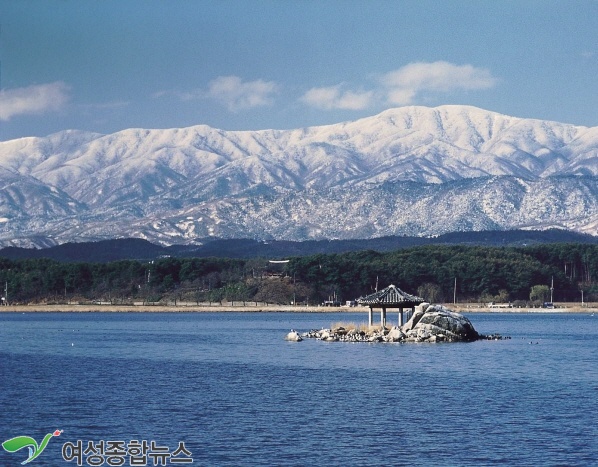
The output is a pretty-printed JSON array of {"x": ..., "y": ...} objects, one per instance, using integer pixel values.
[
  {"x": 91, "y": 308},
  {"x": 559, "y": 308},
  {"x": 177, "y": 309}
]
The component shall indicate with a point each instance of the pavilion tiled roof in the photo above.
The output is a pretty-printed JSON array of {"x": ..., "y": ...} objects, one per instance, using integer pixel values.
[{"x": 390, "y": 296}]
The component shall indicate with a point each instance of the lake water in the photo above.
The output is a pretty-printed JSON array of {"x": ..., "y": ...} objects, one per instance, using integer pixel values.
[{"x": 230, "y": 388}]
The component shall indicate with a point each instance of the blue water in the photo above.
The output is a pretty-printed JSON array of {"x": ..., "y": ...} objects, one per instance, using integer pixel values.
[{"x": 236, "y": 393}]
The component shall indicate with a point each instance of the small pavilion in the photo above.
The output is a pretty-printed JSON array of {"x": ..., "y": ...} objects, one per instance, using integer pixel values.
[{"x": 390, "y": 297}]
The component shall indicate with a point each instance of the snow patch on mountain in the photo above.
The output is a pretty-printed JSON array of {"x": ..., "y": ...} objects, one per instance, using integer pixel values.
[{"x": 410, "y": 170}]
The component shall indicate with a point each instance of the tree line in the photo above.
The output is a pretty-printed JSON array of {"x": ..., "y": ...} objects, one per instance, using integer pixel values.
[{"x": 437, "y": 273}]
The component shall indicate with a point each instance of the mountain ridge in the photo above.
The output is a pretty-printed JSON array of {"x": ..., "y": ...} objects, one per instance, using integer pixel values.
[
  {"x": 395, "y": 173},
  {"x": 142, "y": 250}
]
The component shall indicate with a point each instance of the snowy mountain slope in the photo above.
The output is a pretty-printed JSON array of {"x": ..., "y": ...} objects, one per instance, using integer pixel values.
[{"x": 410, "y": 170}]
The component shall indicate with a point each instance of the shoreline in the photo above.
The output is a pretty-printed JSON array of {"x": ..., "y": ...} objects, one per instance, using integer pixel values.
[{"x": 93, "y": 308}]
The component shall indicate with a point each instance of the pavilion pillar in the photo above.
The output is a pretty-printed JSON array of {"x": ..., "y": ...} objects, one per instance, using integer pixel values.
[
  {"x": 400, "y": 317},
  {"x": 371, "y": 317},
  {"x": 383, "y": 317}
]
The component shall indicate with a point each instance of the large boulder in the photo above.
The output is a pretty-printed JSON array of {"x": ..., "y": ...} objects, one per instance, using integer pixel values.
[
  {"x": 293, "y": 336},
  {"x": 417, "y": 315},
  {"x": 395, "y": 335},
  {"x": 438, "y": 323}
]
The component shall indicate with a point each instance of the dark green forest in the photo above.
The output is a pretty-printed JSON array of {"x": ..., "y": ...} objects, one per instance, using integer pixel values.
[{"x": 482, "y": 274}]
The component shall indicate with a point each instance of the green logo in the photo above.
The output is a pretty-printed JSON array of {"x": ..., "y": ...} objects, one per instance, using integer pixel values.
[{"x": 20, "y": 442}]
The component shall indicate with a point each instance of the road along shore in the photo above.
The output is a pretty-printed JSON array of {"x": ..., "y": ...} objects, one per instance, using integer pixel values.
[{"x": 261, "y": 308}]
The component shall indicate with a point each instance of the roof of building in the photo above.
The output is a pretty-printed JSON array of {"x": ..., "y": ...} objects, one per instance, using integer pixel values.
[{"x": 390, "y": 296}]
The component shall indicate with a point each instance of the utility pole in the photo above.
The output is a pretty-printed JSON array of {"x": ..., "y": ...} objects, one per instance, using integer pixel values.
[
  {"x": 551, "y": 289},
  {"x": 6, "y": 293},
  {"x": 455, "y": 292}
]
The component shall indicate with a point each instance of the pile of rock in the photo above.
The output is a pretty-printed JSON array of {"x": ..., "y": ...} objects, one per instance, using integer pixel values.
[
  {"x": 433, "y": 323},
  {"x": 293, "y": 336},
  {"x": 429, "y": 323}
]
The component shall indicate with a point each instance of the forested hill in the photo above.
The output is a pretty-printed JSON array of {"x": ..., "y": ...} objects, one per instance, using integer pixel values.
[
  {"x": 138, "y": 249},
  {"x": 482, "y": 274}
]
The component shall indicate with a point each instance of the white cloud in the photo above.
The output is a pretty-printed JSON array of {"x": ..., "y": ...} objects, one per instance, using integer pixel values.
[
  {"x": 333, "y": 97},
  {"x": 36, "y": 99},
  {"x": 239, "y": 95},
  {"x": 404, "y": 84}
]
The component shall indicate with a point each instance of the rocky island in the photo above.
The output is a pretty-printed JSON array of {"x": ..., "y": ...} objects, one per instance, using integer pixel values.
[{"x": 429, "y": 323}]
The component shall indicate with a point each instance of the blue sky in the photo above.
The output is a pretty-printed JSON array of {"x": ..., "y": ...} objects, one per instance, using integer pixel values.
[{"x": 108, "y": 65}]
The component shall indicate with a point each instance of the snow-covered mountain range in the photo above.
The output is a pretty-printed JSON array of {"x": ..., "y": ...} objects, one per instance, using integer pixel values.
[{"x": 410, "y": 170}]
